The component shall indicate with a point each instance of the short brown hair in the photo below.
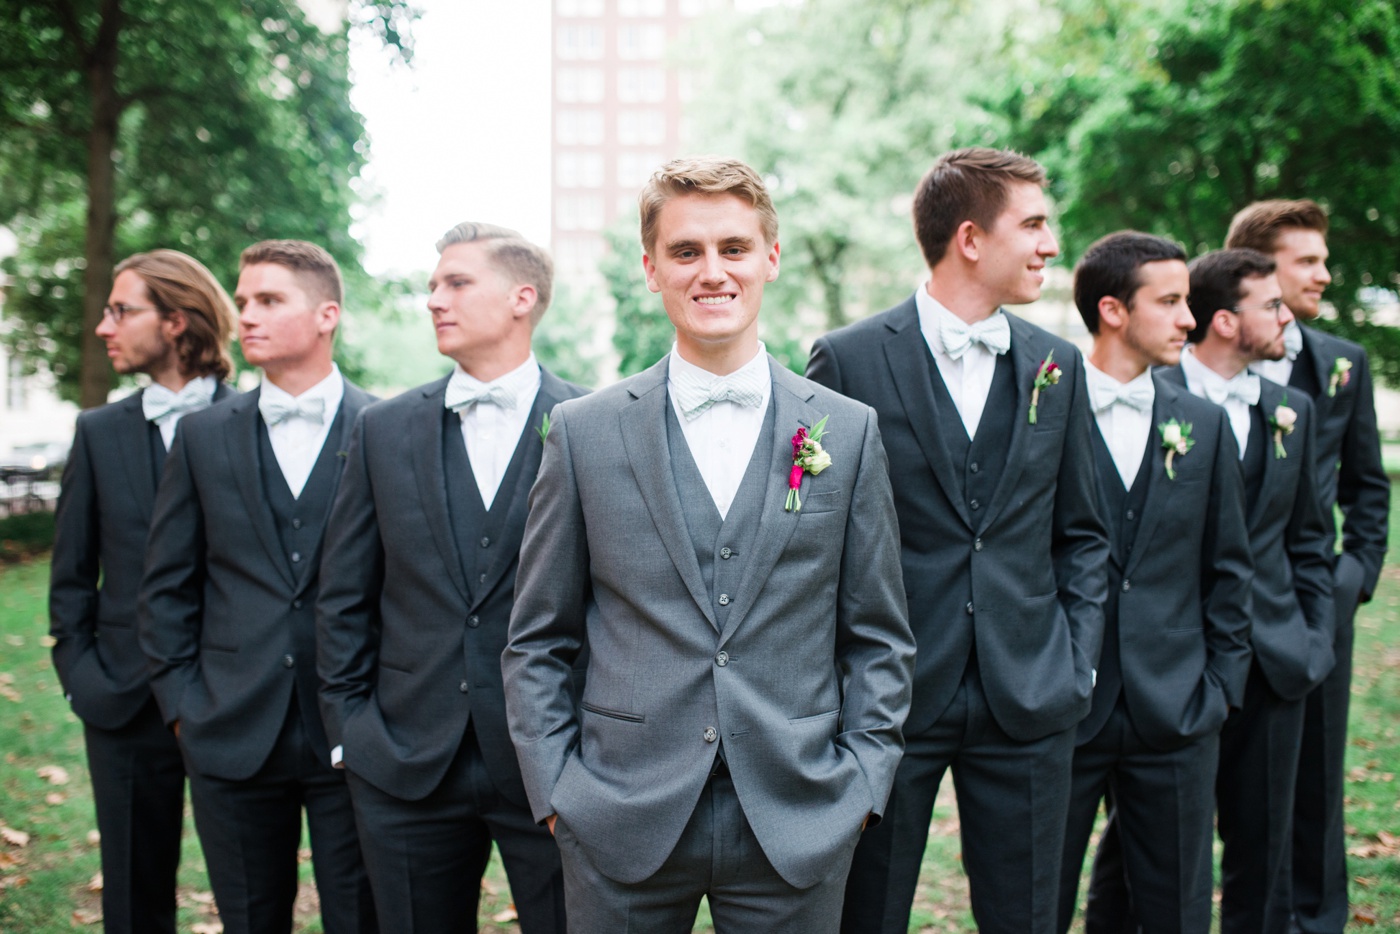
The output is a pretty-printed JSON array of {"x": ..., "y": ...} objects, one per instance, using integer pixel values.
[
  {"x": 315, "y": 268},
  {"x": 1215, "y": 283},
  {"x": 704, "y": 175},
  {"x": 522, "y": 262},
  {"x": 177, "y": 282},
  {"x": 966, "y": 185},
  {"x": 1258, "y": 226}
]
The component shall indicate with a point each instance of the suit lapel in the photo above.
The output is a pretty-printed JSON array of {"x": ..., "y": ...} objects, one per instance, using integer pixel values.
[
  {"x": 1164, "y": 407},
  {"x": 1026, "y": 358},
  {"x": 643, "y": 426},
  {"x": 1270, "y": 398},
  {"x": 242, "y": 441},
  {"x": 908, "y": 357},
  {"x": 337, "y": 441},
  {"x": 135, "y": 444},
  {"x": 1321, "y": 362},
  {"x": 776, "y": 526},
  {"x": 425, "y": 432}
]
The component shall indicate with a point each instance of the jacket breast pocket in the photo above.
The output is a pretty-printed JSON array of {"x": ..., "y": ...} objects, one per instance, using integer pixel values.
[{"x": 817, "y": 503}]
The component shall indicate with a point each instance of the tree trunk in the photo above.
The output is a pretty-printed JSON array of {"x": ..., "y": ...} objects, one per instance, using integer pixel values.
[{"x": 95, "y": 379}]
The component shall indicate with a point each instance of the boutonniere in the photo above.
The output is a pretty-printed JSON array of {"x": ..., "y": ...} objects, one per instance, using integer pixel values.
[
  {"x": 342, "y": 454},
  {"x": 1176, "y": 441},
  {"x": 807, "y": 457},
  {"x": 1047, "y": 375},
  {"x": 543, "y": 429},
  {"x": 1283, "y": 421},
  {"x": 1341, "y": 375}
]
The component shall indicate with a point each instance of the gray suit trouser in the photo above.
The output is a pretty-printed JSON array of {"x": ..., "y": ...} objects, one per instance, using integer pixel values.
[{"x": 717, "y": 857}]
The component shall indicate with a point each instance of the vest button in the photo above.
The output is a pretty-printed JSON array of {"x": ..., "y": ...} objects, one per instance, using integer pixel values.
[
  {"x": 722, "y": 659},
  {"x": 711, "y": 734},
  {"x": 973, "y": 467},
  {"x": 481, "y": 579},
  {"x": 724, "y": 599},
  {"x": 485, "y": 541},
  {"x": 288, "y": 661},
  {"x": 977, "y": 544},
  {"x": 1131, "y": 515},
  {"x": 1127, "y": 585},
  {"x": 969, "y": 608},
  {"x": 462, "y": 687},
  {"x": 296, "y": 523},
  {"x": 725, "y": 553},
  {"x": 296, "y": 604},
  {"x": 296, "y": 556},
  {"x": 975, "y": 504},
  {"x": 473, "y": 621}
]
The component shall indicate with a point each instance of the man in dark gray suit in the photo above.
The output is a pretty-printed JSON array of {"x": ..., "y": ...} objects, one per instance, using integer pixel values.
[
  {"x": 987, "y": 424},
  {"x": 1337, "y": 376},
  {"x": 1176, "y": 631},
  {"x": 166, "y": 317},
  {"x": 417, "y": 581},
  {"x": 228, "y": 599},
  {"x": 720, "y": 533}
]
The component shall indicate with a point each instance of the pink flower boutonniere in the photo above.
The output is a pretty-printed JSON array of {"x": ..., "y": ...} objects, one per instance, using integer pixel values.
[
  {"x": 1176, "y": 441},
  {"x": 1283, "y": 421},
  {"x": 807, "y": 457},
  {"x": 1341, "y": 375},
  {"x": 1047, "y": 375}
]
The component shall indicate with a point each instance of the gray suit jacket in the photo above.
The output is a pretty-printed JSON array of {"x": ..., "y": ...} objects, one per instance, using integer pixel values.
[{"x": 807, "y": 685}]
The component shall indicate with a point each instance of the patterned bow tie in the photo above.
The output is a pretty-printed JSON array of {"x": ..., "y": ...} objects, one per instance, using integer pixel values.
[
  {"x": 276, "y": 411},
  {"x": 1293, "y": 341},
  {"x": 694, "y": 394},
  {"x": 1244, "y": 387},
  {"x": 994, "y": 333},
  {"x": 1136, "y": 395},
  {"x": 460, "y": 395},
  {"x": 159, "y": 403}
]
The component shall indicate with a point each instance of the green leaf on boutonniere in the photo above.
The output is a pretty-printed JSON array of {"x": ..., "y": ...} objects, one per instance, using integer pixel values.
[
  {"x": 1341, "y": 375},
  {"x": 1047, "y": 375},
  {"x": 543, "y": 429}
]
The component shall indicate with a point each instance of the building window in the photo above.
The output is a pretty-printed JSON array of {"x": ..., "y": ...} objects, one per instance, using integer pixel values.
[
  {"x": 641, "y": 7},
  {"x": 641, "y": 85},
  {"x": 578, "y": 128},
  {"x": 641, "y": 127},
  {"x": 579, "y": 7},
  {"x": 580, "y": 42},
  {"x": 634, "y": 168},
  {"x": 579, "y": 170},
  {"x": 579, "y": 85},
  {"x": 576, "y": 256},
  {"x": 695, "y": 7},
  {"x": 580, "y": 212},
  {"x": 641, "y": 43}
]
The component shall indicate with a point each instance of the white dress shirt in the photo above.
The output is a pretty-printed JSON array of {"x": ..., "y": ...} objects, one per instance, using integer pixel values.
[
  {"x": 208, "y": 385},
  {"x": 1281, "y": 371},
  {"x": 969, "y": 378},
  {"x": 1124, "y": 428},
  {"x": 297, "y": 442},
  {"x": 493, "y": 432},
  {"x": 1199, "y": 377},
  {"x": 722, "y": 438}
]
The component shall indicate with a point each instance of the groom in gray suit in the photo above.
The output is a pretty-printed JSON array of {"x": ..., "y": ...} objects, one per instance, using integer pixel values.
[{"x": 721, "y": 534}]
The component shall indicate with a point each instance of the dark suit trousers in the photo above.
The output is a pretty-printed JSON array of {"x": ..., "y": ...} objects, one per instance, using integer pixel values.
[
  {"x": 1319, "y": 827},
  {"x": 1012, "y": 801},
  {"x": 426, "y": 857},
  {"x": 717, "y": 857},
  {"x": 251, "y": 830},
  {"x": 138, "y": 786},
  {"x": 1163, "y": 806}
]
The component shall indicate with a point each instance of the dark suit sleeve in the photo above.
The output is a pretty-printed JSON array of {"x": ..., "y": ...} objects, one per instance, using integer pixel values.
[
  {"x": 74, "y": 571},
  {"x": 548, "y": 624},
  {"x": 1363, "y": 489},
  {"x": 874, "y": 646},
  {"x": 823, "y": 367},
  {"x": 1227, "y": 569},
  {"x": 1310, "y": 541},
  {"x": 1079, "y": 542},
  {"x": 171, "y": 602},
  {"x": 352, "y": 578}
]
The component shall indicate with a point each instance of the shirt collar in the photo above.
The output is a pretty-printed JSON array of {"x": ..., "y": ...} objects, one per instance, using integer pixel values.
[
  {"x": 331, "y": 389},
  {"x": 931, "y": 312},
  {"x": 679, "y": 365},
  {"x": 1198, "y": 374},
  {"x": 1097, "y": 377},
  {"x": 520, "y": 381}
]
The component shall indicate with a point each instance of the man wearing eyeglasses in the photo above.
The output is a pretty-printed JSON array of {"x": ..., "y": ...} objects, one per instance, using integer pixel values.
[
  {"x": 1240, "y": 318},
  {"x": 167, "y": 318}
]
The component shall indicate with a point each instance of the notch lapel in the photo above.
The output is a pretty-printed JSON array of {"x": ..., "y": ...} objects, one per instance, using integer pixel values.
[
  {"x": 643, "y": 426},
  {"x": 425, "y": 432},
  {"x": 912, "y": 376},
  {"x": 135, "y": 443},
  {"x": 242, "y": 441},
  {"x": 1026, "y": 359},
  {"x": 1164, "y": 407},
  {"x": 1322, "y": 369},
  {"x": 1270, "y": 397}
]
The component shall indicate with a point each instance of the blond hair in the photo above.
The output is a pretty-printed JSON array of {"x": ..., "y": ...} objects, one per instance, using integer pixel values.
[{"x": 707, "y": 175}]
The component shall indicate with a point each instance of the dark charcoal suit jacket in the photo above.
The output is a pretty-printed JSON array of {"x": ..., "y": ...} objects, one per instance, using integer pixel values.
[
  {"x": 226, "y": 624},
  {"x": 1291, "y": 539},
  {"x": 1182, "y": 592},
  {"x": 103, "y": 518},
  {"x": 408, "y": 648},
  {"x": 1033, "y": 560}
]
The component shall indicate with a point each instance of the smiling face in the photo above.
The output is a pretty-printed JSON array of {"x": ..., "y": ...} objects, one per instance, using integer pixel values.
[
  {"x": 1158, "y": 318},
  {"x": 1011, "y": 256},
  {"x": 282, "y": 325},
  {"x": 710, "y": 263},
  {"x": 144, "y": 340},
  {"x": 479, "y": 315},
  {"x": 1301, "y": 256}
]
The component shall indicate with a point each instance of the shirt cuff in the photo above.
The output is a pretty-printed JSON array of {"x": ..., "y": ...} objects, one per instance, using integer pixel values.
[{"x": 338, "y": 757}]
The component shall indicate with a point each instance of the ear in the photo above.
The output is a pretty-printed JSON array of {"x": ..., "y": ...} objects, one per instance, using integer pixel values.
[
  {"x": 522, "y": 300},
  {"x": 174, "y": 324},
  {"x": 327, "y": 317},
  {"x": 1225, "y": 323},
  {"x": 1113, "y": 313},
  {"x": 965, "y": 241},
  {"x": 650, "y": 269},
  {"x": 772, "y": 263}
]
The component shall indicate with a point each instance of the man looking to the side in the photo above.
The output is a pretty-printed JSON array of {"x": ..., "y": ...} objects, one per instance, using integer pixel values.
[
  {"x": 417, "y": 584},
  {"x": 168, "y": 318},
  {"x": 987, "y": 423},
  {"x": 228, "y": 599},
  {"x": 1176, "y": 631},
  {"x": 736, "y": 580},
  {"x": 1335, "y": 373}
]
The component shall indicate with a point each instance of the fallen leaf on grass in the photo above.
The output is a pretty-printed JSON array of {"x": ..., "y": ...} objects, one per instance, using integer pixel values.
[
  {"x": 10, "y": 694},
  {"x": 487, "y": 886},
  {"x": 16, "y": 641},
  {"x": 1363, "y": 915},
  {"x": 1362, "y": 742},
  {"x": 1386, "y": 844},
  {"x": 9, "y": 860},
  {"x": 207, "y": 927},
  {"x": 95, "y": 883},
  {"x": 86, "y": 916},
  {"x": 55, "y": 797},
  {"x": 14, "y": 837},
  {"x": 48, "y": 642},
  {"x": 6, "y": 678},
  {"x": 93, "y": 838},
  {"x": 304, "y": 855},
  {"x": 1364, "y": 881},
  {"x": 53, "y": 774},
  {"x": 202, "y": 898},
  {"x": 506, "y": 916}
]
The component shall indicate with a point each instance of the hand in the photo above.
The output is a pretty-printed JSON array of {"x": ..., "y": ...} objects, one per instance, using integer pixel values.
[
  {"x": 176, "y": 727},
  {"x": 549, "y": 822}
]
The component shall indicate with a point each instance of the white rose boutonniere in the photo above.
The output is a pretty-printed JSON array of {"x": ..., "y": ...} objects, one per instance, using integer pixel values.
[
  {"x": 1341, "y": 375},
  {"x": 1283, "y": 421},
  {"x": 1176, "y": 441}
]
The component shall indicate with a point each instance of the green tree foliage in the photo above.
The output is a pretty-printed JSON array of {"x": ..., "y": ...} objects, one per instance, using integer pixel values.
[
  {"x": 566, "y": 340},
  {"x": 202, "y": 125},
  {"x": 643, "y": 333},
  {"x": 1170, "y": 117}
]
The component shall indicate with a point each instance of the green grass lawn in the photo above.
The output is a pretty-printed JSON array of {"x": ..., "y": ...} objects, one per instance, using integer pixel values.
[{"x": 48, "y": 845}]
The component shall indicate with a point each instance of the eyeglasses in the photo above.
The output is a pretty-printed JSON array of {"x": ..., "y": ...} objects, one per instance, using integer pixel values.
[
  {"x": 119, "y": 312},
  {"x": 1276, "y": 306}
]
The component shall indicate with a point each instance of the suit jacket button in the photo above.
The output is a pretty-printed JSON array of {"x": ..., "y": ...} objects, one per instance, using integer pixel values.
[
  {"x": 296, "y": 604},
  {"x": 473, "y": 621},
  {"x": 722, "y": 659},
  {"x": 975, "y": 504},
  {"x": 462, "y": 687},
  {"x": 288, "y": 661},
  {"x": 296, "y": 523},
  {"x": 296, "y": 556},
  {"x": 977, "y": 544},
  {"x": 485, "y": 541},
  {"x": 973, "y": 467},
  {"x": 1131, "y": 515},
  {"x": 725, "y": 553},
  {"x": 711, "y": 734},
  {"x": 1127, "y": 585},
  {"x": 969, "y": 608},
  {"x": 724, "y": 599}
]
